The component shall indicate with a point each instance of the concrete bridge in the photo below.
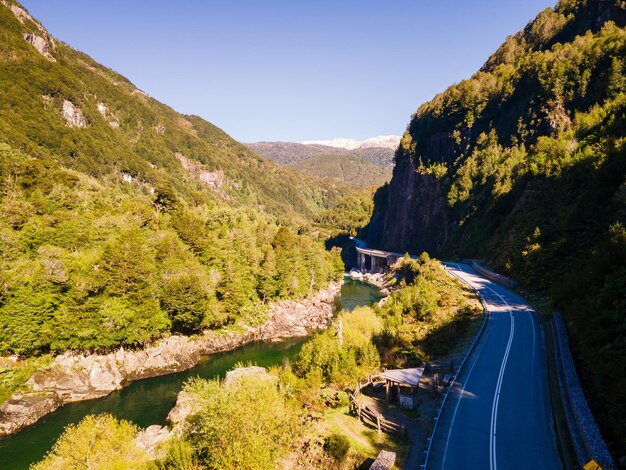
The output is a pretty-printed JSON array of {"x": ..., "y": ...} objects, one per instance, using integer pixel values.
[{"x": 374, "y": 261}]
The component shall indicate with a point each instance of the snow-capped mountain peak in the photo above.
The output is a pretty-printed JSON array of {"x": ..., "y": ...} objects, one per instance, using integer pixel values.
[{"x": 384, "y": 141}]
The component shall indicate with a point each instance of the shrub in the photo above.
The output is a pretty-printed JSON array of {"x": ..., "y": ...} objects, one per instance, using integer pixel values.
[{"x": 337, "y": 446}]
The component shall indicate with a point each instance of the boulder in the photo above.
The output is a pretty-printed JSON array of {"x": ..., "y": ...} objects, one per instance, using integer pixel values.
[{"x": 151, "y": 440}]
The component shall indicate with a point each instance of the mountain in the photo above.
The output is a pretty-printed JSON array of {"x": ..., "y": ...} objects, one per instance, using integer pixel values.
[
  {"x": 347, "y": 168},
  {"x": 58, "y": 102},
  {"x": 382, "y": 141},
  {"x": 122, "y": 220},
  {"x": 360, "y": 163},
  {"x": 524, "y": 165}
]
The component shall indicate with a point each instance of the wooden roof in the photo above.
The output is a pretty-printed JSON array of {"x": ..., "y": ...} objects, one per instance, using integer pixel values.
[{"x": 404, "y": 376}]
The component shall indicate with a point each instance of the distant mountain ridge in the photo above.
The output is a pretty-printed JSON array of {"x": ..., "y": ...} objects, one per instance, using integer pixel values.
[
  {"x": 365, "y": 163},
  {"x": 381, "y": 141},
  {"x": 346, "y": 168}
]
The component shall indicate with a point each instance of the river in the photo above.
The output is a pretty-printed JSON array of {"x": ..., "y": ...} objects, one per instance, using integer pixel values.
[{"x": 148, "y": 401}]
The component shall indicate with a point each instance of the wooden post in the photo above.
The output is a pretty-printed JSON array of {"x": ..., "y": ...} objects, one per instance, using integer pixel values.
[
  {"x": 387, "y": 390},
  {"x": 378, "y": 423}
]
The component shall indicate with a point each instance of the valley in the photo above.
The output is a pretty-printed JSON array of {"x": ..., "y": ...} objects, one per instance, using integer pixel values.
[{"x": 452, "y": 297}]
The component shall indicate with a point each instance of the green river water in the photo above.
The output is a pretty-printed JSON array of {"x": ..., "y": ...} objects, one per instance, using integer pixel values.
[{"x": 148, "y": 401}]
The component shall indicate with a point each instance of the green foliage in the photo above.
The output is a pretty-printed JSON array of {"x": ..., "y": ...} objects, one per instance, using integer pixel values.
[
  {"x": 143, "y": 222},
  {"x": 14, "y": 375},
  {"x": 350, "y": 214},
  {"x": 98, "y": 442},
  {"x": 180, "y": 456},
  {"x": 186, "y": 302},
  {"x": 135, "y": 134},
  {"x": 346, "y": 358},
  {"x": 89, "y": 265},
  {"x": 337, "y": 446},
  {"x": 425, "y": 317},
  {"x": 346, "y": 168},
  {"x": 246, "y": 424}
]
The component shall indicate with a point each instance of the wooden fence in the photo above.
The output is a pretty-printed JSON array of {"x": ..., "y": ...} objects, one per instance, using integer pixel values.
[{"x": 366, "y": 414}]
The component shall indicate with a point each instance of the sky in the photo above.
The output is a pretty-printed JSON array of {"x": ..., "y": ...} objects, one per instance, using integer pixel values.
[{"x": 266, "y": 70}]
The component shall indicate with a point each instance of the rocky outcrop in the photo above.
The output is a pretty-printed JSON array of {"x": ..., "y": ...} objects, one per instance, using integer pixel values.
[
  {"x": 106, "y": 114},
  {"x": 413, "y": 215},
  {"x": 42, "y": 44},
  {"x": 214, "y": 179},
  {"x": 76, "y": 377},
  {"x": 24, "y": 409},
  {"x": 73, "y": 115},
  {"x": 152, "y": 439},
  {"x": 184, "y": 407},
  {"x": 42, "y": 41}
]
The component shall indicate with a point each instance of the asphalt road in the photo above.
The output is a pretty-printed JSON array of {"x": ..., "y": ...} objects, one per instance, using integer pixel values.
[{"x": 498, "y": 413}]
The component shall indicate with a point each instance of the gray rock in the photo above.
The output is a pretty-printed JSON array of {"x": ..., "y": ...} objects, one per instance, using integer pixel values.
[
  {"x": 22, "y": 410},
  {"x": 234, "y": 376},
  {"x": 385, "y": 460},
  {"x": 151, "y": 440},
  {"x": 73, "y": 115}
]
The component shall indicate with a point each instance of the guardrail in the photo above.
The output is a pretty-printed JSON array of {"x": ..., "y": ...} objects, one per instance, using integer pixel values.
[
  {"x": 367, "y": 414},
  {"x": 456, "y": 374},
  {"x": 582, "y": 428},
  {"x": 493, "y": 276}
]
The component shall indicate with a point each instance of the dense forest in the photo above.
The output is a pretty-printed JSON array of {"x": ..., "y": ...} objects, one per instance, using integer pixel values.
[
  {"x": 524, "y": 165},
  {"x": 348, "y": 169},
  {"x": 90, "y": 264}
]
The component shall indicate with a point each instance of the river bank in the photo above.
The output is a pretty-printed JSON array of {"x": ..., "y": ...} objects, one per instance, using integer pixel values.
[
  {"x": 77, "y": 377},
  {"x": 374, "y": 279}
]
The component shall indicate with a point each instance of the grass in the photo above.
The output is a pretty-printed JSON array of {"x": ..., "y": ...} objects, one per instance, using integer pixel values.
[{"x": 364, "y": 441}]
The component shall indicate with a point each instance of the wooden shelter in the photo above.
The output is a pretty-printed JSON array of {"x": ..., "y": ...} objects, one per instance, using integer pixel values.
[{"x": 402, "y": 385}]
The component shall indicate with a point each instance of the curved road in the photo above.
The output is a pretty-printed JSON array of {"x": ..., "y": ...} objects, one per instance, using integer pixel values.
[{"x": 498, "y": 413}]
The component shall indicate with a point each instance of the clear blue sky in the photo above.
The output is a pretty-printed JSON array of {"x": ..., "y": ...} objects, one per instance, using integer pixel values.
[{"x": 290, "y": 70}]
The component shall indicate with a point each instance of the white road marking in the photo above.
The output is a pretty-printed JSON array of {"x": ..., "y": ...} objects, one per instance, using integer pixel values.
[
  {"x": 496, "y": 398},
  {"x": 456, "y": 408}
]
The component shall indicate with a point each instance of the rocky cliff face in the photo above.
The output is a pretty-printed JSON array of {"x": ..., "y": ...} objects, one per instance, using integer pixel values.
[
  {"x": 415, "y": 218},
  {"x": 77, "y": 377}
]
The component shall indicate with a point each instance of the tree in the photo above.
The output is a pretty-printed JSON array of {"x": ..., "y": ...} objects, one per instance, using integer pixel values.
[
  {"x": 246, "y": 424},
  {"x": 268, "y": 287},
  {"x": 186, "y": 302},
  {"x": 616, "y": 78},
  {"x": 127, "y": 264},
  {"x": 98, "y": 442}
]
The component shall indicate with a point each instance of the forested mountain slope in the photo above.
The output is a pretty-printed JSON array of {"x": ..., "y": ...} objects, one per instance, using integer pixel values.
[
  {"x": 524, "y": 165},
  {"x": 360, "y": 167},
  {"x": 58, "y": 102},
  {"x": 292, "y": 152},
  {"x": 121, "y": 220},
  {"x": 348, "y": 169}
]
